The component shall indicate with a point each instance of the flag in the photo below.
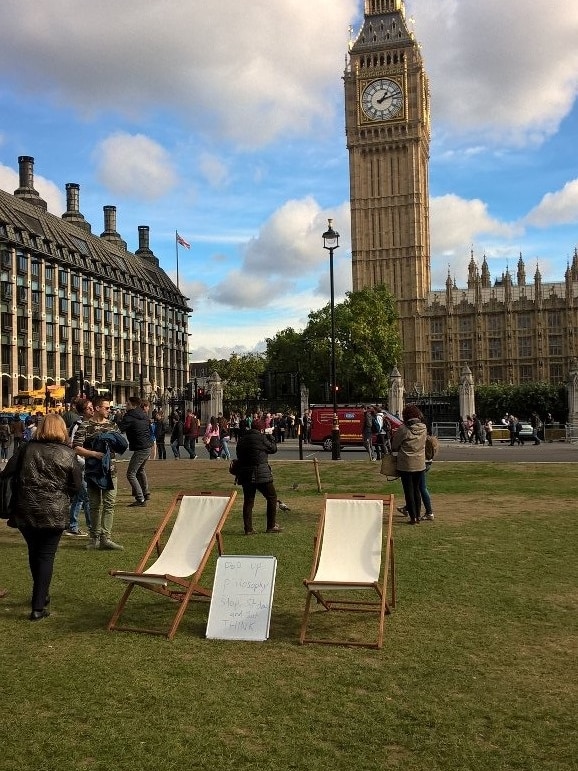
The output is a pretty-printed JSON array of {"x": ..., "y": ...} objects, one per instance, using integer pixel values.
[{"x": 182, "y": 242}]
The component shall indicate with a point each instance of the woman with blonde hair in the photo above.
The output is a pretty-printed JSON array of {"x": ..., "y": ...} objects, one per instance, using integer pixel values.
[{"x": 47, "y": 477}]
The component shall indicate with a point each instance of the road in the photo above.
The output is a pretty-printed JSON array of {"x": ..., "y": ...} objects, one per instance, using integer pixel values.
[
  {"x": 551, "y": 452},
  {"x": 501, "y": 452}
]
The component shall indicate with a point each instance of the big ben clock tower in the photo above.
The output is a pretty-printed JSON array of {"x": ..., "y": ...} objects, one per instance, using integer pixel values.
[{"x": 388, "y": 132}]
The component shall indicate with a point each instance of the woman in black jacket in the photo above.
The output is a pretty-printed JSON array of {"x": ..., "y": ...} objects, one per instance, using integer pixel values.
[
  {"x": 254, "y": 473},
  {"x": 49, "y": 477}
]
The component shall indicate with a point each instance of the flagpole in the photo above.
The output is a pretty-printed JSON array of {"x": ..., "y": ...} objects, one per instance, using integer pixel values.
[{"x": 177, "y": 251}]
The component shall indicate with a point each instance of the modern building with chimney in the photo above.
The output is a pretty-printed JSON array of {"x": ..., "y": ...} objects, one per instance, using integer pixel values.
[{"x": 74, "y": 302}]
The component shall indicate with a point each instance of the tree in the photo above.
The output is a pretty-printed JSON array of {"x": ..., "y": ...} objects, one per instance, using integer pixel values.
[
  {"x": 367, "y": 346},
  {"x": 495, "y": 400},
  {"x": 240, "y": 375}
]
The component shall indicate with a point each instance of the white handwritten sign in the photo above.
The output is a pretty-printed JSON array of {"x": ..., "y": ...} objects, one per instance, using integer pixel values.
[{"x": 242, "y": 598}]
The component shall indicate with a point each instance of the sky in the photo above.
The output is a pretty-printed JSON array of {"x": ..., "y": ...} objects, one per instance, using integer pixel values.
[{"x": 224, "y": 122}]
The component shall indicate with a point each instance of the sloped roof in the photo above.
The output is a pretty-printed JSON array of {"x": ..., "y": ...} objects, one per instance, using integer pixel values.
[{"x": 66, "y": 243}]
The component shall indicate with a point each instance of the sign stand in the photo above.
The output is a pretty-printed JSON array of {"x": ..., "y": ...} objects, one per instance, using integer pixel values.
[{"x": 242, "y": 598}]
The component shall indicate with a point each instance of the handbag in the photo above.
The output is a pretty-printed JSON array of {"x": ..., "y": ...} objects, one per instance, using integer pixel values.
[
  {"x": 389, "y": 466},
  {"x": 8, "y": 486},
  {"x": 234, "y": 467}
]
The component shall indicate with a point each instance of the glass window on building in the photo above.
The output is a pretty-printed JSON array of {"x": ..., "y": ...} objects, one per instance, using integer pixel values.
[
  {"x": 495, "y": 323},
  {"x": 22, "y": 262},
  {"x": 496, "y": 374},
  {"x": 555, "y": 345},
  {"x": 556, "y": 373},
  {"x": 5, "y": 258},
  {"x": 524, "y": 347},
  {"x": 465, "y": 348},
  {"x": 437, "y": 327},
  {"x": 495, "y": 347},
  {"x": 526, "y": 373},
  {"x": 63, "y": 278},
  {"x": 524, "y": 321},
  {"x": 555, "y": 320},
  {"x": 438, "y": 380},
  {"x": 465, "y": 324}
]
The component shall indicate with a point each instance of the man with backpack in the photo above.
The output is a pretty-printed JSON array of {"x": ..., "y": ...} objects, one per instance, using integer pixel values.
[{"x": 191, "y": 434}]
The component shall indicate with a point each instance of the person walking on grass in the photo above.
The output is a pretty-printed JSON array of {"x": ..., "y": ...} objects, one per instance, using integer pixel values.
[
  {"x": 161, "y": 429},
  {"x": 191, "y": 434},
  {"x": 177, "y": 436},
  {"x": 136, "y": 425},
  {"x": 254, "y": 474},
  {"x": 49, "y": 476},
  {"x": 97, "y": 440},
  {"x": 84, "y": 410}
]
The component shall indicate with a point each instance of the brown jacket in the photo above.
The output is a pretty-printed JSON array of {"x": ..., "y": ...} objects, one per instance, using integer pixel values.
[{"x": 409, "y": 443}]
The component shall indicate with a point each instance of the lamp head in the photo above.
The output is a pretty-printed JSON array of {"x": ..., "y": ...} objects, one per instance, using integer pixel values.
[{"x": 330, "y": 237}]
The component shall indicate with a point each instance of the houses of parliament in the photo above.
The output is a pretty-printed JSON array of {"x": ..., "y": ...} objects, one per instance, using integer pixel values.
[{"x": 514, "y": 329}]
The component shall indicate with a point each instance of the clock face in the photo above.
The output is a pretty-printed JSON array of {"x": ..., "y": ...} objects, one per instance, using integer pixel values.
[{"x": 382, "y": 99}]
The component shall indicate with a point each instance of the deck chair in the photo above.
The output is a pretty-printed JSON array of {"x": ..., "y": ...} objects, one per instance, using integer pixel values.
[
  {"x": 354, "y": 532},
  {"x": 178, "y": 568}
]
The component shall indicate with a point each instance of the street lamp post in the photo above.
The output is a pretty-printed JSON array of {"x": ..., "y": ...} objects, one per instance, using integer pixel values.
[{"x": 331, "y": 242}]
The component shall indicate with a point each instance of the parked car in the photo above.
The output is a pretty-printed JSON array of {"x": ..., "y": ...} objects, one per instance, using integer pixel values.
[{"x": 350, "y": 426}]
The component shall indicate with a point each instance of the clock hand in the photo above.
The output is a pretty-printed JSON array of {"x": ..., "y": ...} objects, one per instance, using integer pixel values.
[{"x": 383, "y": 98}]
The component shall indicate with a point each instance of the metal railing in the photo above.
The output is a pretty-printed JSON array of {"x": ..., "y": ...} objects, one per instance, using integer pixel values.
[{"x": 446, "y": 431}]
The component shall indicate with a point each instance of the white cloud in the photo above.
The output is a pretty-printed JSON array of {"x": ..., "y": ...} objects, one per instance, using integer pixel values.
[
  {"x": 135, "y": 166},
  {"x": 246, "y": 71},
  {"x": 214, "y": 170},
  {"x": 48, "y": 191},
  {"x": 289, "y": 242},
  {"x": 457, "y": 225},
  {"x": 500, "y": 71},
  {"x": 559, "y": 208}
]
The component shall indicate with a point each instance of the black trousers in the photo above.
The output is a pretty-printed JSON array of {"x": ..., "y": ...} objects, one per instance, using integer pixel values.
[
  {"x": 267, "y": 489},
  {"x": 411, "y": 481},
  {"x": 42, "y": 544}
]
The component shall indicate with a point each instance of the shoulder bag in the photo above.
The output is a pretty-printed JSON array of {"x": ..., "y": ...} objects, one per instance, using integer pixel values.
[{"x": 389, "y": 466}]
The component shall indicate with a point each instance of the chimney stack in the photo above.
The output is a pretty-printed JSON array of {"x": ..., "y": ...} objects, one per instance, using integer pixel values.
[
  {"x": 26, "y": 189},
  {"x": 144, "y": 250},
  {"x": 72, "y": 213},
  {"x": 110, "y": 233}
]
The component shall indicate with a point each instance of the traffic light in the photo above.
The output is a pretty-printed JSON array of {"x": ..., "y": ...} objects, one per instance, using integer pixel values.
[{"x": 189, "y": 392}]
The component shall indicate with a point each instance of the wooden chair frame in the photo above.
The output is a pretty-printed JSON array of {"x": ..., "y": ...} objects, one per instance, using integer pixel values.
[
  {"x": 176, "y": 587},
  {"x": 319, "y": 589}
]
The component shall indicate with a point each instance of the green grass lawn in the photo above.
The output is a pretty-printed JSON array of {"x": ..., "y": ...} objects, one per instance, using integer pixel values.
[{"x": 477, "y": 671}]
